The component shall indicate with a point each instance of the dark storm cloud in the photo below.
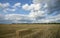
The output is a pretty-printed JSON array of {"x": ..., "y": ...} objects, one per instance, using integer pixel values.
[{"x": 53, "y": 5}]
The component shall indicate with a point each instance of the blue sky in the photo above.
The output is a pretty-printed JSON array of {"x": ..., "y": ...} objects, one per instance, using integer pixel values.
[
  {"x": 29, "y": 11},
  {"x": 16, "y": 1}
]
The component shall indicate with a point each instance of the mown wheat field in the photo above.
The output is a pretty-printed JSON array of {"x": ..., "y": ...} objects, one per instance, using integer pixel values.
[{"x": 29, "y": 30}]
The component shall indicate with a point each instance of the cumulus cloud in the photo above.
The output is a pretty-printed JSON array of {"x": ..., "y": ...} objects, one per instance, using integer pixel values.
[
  {"x": 18, "y": 18},
  {"x": 14, "y": 16},
  {"x": 42, "y": 8},
  {"x": 36, "y": 14},
  {"x": 17, "y": 5},
  {"x": 4, "y": 5},
  {"x": 36, "y": 10},
  {"x": 37, "y": 1},
  {"x": 40, "y": 12},
  {"x": 25, "y": 7},
  {"x": 31, "y": 7},
  {"x": 2, "y": 19},
  {"x": 9, "y": 9}
]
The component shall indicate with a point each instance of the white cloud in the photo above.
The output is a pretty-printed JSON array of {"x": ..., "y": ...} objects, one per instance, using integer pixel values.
[
  {"x": 20, "y": 18},
  {"x": 25, "y": 7},
  {"x": 35, "y": 10},
  {"x": 56, "y": 17},
  {"x": 38, "y": 1},
  {"x": 4, "y": 5},
  {"x": 9, "y": 9},
  {"x": 17, "y": 5},
  {"x": 26, "y": 18},
  {"x": 17, "y": 18},
  {"x": 35, "y": 7},
  {"x": 31, "y": 7},
  {"x": 42, "y": 1},
  {"x": 38, "y": 13},
  {"x": 13, "y": 17}
]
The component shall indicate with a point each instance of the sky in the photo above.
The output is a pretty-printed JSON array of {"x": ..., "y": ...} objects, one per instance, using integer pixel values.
[{"x": 29, "y": 11}]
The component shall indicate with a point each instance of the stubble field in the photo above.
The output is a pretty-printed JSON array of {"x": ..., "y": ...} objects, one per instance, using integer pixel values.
[{"x": 29, "y": 30}]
